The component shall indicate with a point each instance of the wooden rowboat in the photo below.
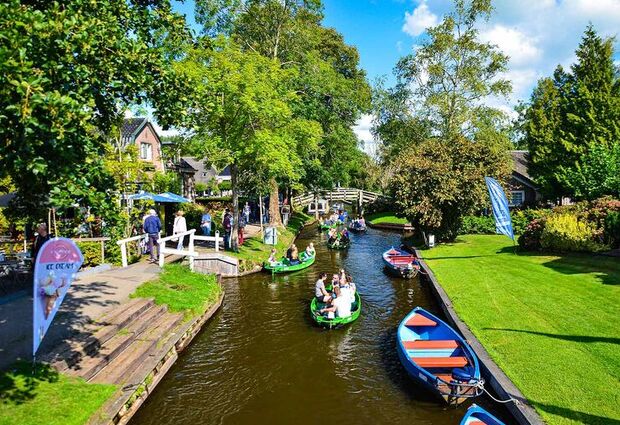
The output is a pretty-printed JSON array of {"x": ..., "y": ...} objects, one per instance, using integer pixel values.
[
  {"x": 437, "y": 357},
  {"x": 400, "y": 263},
  {"x": 321, "y": 320},
  {"x": 285, "y": 266},
  {"x": 476, "y": 415},
  {"x": 356, "y": 227}
]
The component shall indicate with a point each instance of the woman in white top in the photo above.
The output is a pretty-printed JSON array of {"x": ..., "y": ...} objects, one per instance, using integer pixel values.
[
  {"x": 180, "y": 226},
  {"x": 310, "y": 251}
]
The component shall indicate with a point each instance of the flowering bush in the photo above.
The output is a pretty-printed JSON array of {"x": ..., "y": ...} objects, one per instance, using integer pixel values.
[
  {"x": 565, "y": 232},
  {"x": 530, "y": 238}
]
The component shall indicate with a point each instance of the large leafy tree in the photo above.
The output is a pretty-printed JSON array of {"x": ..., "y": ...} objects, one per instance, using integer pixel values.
[
  {"x": 67, "y": 72},
  {"x": 572, "y": 125},
  {"x": 246, "y": 120},
  {"x": 331, "y": 89},
  {"x": 455, "y": 139}
]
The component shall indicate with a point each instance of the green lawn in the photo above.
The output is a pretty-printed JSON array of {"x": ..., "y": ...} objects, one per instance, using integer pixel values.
[
  {"x": 552, "y": 323},
  {"x": 181, "y": 290},
  {"x": 385, "y": 218},
  {"x": 255, "y": 252},
  {"x": 47, "y": 398}
]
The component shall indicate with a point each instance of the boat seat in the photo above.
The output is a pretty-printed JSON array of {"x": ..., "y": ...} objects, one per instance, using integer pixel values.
[
  {"x": 475, "y": 422},
  {"x": 440, "y": 361},
  {"x": 422, "y": 344},
  {"x": 419, "y": 320}
]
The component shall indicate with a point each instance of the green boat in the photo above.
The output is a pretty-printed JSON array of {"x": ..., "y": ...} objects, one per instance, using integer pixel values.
[
  {"x": 322, "y": 320},
  {"x": 327, "y": 226},
  {"x": 284, "y": 265},
  {"x": 338, "y": 245}
]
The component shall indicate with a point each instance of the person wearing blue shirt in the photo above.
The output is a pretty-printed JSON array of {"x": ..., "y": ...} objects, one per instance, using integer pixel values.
[
  {"x": 205, "y": 224},
  {"x": 152, "y": 227}
]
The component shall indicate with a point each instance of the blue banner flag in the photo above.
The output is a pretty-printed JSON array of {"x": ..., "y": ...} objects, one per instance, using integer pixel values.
[{"x": 503, "y": 223}]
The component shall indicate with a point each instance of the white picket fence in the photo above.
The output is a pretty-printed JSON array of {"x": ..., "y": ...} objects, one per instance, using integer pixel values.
[{"x": 188, "y": 251}]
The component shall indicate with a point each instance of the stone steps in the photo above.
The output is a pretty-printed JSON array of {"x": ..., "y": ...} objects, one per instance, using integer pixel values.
[
  {"x": 144, "y": 346},
  {"x": 123, "y": 338},
  {"x": 104, "y": 328}
]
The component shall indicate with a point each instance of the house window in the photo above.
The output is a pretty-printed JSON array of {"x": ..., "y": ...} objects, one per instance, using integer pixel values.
[
  {"x": 146, "y": 151},
  {"x": 517, "y": 197},
  {"x": 205, "y": 174}
]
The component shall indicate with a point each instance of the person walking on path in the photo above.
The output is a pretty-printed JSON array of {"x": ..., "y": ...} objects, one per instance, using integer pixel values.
[
  {"x": 247, "y": 211},
  {"x": 242, "y": 224},
  {"x": 227, "y": 224},
  {"x": 152, "y": 227},
  {"x": 180, "y": 226},
  {"x": 205, "y": 224}
]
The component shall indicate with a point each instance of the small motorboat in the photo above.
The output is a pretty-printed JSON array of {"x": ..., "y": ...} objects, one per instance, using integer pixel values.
[
  {"x": 285, "y": 266},
  {"x": 357, "y": 227},
  {"x": 476, "y": 415},
  {"x": 339, "y": 244},
  {"x": 400, "y": 263},
  {"x": 326, "y": 322},
  {"x": 437, "y": 357}
]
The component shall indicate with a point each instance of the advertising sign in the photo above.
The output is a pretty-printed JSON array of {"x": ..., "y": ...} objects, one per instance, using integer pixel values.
[
  {"x": 503, "y": 222},
  {"x": 56, "y": 265}
]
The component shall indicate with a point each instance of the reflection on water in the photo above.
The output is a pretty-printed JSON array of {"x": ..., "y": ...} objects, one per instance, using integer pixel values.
[{"x": 261, "y": 359}]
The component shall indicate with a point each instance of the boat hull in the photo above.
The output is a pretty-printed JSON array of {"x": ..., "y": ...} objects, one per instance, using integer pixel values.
[
  {"x": 421, "y": 339},
  {"x": 405, "y": 270},
  {"x": 336, "y": 322},
  {"x": 476, "y": 414},
  {"x": 284, "y": 267}
]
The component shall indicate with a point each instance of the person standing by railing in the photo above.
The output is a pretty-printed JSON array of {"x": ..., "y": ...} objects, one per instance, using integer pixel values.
[
  {"x": 152, "y": 227},
  {"x": 180, "y": 226}
]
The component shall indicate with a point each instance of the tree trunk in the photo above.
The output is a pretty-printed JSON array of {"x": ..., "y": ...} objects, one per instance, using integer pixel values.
[
  {"x": 274, "y": 205},
  {"x": 234, "y": 237}
]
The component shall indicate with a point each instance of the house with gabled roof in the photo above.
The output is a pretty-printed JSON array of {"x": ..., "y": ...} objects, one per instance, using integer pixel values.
[
  {"x": 523, "y": 190},
  {"x": 139, "y": 131}
]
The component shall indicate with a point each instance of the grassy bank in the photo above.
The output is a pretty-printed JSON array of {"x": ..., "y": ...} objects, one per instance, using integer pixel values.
[
  {"x": 45, "y": 397},
  {"x": 181, "y": 290},
  {"x": 385, "y": 218},
  {"x": 254, "y": 252},
  {"x": 550, "y": 322}
]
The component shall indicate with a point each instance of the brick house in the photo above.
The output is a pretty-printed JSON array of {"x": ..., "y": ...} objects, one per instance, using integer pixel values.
[{"x": 141, "y": 133}]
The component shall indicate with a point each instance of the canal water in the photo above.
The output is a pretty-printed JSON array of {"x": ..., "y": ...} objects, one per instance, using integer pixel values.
[{"x": 261, "y": 359}]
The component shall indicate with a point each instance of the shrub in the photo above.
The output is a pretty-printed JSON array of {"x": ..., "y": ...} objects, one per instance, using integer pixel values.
[
  {"x": 91, "y": 252},
  {"x": 612, "y": 228},
  {"x": 565, "y": 232},
  {"x": 530, "y": 238},
  {"x": 193, "y": 215},
  {"x": 473, "y": 224}
]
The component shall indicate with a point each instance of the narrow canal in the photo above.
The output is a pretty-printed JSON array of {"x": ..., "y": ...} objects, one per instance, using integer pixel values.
[{"x": 261, "y": 359}]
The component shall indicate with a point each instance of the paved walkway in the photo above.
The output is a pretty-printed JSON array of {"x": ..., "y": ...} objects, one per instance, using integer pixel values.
[{"x": 87, "y": 299}]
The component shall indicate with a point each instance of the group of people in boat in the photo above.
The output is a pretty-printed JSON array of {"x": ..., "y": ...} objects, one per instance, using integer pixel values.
[
  {"x": 335, "y": 237},
  {"x": 338, "y": 301},
  {"x": 358, "y": 223},
  {"x": 292, "y": 254},
  {"x": 335, "y": 218}
]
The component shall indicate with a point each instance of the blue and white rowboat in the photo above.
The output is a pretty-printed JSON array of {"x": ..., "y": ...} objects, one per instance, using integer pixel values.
[
  {"x": 437, "y": 357},
  {"x": 476, "y": 415}
]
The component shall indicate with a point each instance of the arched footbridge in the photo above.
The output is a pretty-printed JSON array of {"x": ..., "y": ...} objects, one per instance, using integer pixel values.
[{"x": 338, "y": 194}]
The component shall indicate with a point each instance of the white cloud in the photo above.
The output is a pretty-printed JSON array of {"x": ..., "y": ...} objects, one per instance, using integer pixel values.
[
  {"x": 418, "y": 21},
  {"x": 518, "y": 46},
  {"x": 362, "y": 130}
]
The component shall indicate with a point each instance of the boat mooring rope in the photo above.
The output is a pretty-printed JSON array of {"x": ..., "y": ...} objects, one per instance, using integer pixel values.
[{"x": 480, "y": 385}]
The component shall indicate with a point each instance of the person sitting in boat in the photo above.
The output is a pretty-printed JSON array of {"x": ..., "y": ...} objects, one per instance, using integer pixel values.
[
  {"x": 310, "y": 251},
  {"x": 320, "y": 292},
  {"x": 361, "y": 222},
  {"x": 335, "y": 282},
  {"x": 344, "y": 236},
  {"x": 341, "y": 305},
  {"x": 332, "y": 235},
  {"x": 273, "y": 259},
  {"x": 289, "y": 252},
  {"x": 294, "y": 260}
]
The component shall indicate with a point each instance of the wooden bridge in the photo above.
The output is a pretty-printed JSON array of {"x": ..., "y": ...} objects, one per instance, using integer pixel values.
[{"x": 338, "y": 194}]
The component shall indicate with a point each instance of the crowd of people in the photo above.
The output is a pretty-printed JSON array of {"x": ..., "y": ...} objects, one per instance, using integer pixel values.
[{"x": 338, "y": 297}]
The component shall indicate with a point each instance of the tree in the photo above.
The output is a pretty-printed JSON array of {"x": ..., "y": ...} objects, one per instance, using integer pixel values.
[
  {"x": 67, "y": 72},
  {"x": 456, "y": 139},
  {"x": 246, "y": 121},
  {"x": 331, "y": 89},
  {"x": 571, "y": 124}
]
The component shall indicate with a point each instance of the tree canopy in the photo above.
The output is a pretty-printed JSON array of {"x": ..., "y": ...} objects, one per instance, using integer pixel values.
[
  {"x": 571, "y": 125},
  {"x": 438, "y": 135}
]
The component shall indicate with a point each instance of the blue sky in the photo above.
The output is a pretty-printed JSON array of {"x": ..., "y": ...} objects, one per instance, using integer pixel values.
[{"x": 536, "y": 34}]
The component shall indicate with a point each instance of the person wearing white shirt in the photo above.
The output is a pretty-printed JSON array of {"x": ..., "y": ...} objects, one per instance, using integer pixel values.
[
  {"x": 180, "y": 226},
  {"x": 341, "y": 305}
]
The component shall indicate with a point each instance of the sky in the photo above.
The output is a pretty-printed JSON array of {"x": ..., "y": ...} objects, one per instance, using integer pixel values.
[{"x": 537, "y": 35}]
